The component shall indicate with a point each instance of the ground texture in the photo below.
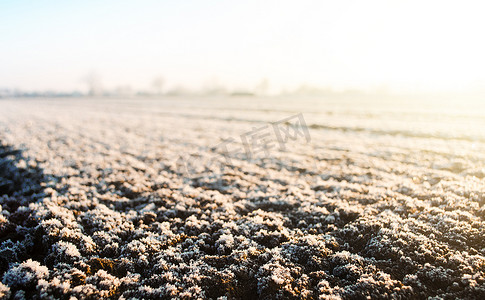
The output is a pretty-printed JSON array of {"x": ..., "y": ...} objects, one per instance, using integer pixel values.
[{"x": 135, "y": 199}]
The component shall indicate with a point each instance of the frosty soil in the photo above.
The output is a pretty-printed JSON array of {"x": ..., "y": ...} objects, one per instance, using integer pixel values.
[
  {"x": 256, "y": 143},
  {"x": 94, "y": 205}
]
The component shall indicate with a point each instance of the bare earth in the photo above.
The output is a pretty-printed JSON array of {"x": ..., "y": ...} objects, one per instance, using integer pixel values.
[{"x": 133, "y": 198}]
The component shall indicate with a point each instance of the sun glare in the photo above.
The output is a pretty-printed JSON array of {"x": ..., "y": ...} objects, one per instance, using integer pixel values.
[{"x": 392, "y": 45}]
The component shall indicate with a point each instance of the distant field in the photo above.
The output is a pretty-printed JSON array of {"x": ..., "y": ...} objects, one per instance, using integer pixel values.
[{"x": 137, "y": 198}]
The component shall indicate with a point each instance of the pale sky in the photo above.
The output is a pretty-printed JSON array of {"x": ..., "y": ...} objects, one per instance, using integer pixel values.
[{"x": 405, "y": 45}]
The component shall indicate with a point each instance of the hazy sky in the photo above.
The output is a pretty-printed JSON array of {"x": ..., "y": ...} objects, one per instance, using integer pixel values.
[{"x": 345, "y": 44}]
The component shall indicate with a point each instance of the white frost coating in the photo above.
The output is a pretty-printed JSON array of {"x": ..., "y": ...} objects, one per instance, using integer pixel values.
[
  {"x": 25, "y": 273},
  {"x": 225, "y": 241},
  {"x": 370, "y": 208},
  {"x": 66, "y": 249},
  {"x": 4, "y": 291}
]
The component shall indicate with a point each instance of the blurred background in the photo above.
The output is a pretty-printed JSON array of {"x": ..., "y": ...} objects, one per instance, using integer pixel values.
[{"x": 430, "y": 49}]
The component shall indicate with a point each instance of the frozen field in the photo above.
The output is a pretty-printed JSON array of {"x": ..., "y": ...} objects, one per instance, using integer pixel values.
[{"x": 135, "y": 198}]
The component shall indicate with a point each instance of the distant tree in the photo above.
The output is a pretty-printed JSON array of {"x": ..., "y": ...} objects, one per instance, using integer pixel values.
[
  {"x": 179, "y": 90},
  {"x": 262, "y": 87},
  {"x": 158, "y": 84},
  {"x": 93, "y": 82},
  {"x": 214, "y": 87},
  {"x": 124, "y": 91}
]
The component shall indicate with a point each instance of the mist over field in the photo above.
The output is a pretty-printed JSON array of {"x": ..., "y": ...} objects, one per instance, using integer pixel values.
[{"x": 163, "y": 198}]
